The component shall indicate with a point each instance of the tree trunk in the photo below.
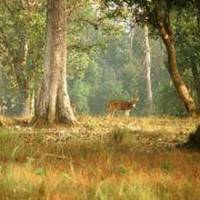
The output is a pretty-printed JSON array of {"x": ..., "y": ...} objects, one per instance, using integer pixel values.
[
  {"x": 28, "y": 104},
  {"x": 147, "y": 69},
  {"x": 23, "y": 81},
  {"x": 32, "y": 104},
  {"x": 196, "y": 77},
  {"x": 179, "y": 84},
  {"x": 167, "y": 36},
  {"x": 53, "y": 104}
]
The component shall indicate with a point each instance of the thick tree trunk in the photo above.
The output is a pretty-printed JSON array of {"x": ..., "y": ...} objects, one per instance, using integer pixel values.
[
  {"x": 53, "y": 103},
  {"x": 147, "y": 69}
]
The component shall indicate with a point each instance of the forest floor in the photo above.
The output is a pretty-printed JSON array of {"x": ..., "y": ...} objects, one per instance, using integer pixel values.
[{"x": 99, "y": 159}]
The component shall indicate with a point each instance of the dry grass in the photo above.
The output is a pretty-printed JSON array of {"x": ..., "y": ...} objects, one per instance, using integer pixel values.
[{"x": 100, "y": 159}]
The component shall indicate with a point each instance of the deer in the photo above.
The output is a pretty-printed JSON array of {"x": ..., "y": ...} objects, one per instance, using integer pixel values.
[{"x": 120, "y": 105}]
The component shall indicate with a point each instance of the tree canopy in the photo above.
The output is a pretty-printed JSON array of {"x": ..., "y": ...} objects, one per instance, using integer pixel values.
[{"x": 105, "y": 53}]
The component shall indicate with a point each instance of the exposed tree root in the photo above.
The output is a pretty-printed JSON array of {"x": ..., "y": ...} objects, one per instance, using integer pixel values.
[
  {"x": 43, "y": 123},
  {"x": 193, "y": 140}
]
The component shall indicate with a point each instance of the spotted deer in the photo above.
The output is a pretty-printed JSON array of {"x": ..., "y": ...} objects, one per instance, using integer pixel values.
[{"x": 121, "y": 105}]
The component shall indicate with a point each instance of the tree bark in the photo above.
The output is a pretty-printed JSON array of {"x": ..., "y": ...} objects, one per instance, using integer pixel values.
[
  {"x": 53, "y": 104},
  {"x": 196, "y": 77},
  {"x": 25, "y": 104},
  {"x": 147, "y": 69},
  {"x": 28, "y": 104}
]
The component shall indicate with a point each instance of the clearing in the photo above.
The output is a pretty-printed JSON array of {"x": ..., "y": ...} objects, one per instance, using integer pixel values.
[{"x": 100, "y": 158}]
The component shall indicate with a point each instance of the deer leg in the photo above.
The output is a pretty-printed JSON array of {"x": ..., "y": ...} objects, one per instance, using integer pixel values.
[
  {"x": 109, "y": 112},
  {"x": 114, "y": 113},
  {"x": 127, "y": 113}
]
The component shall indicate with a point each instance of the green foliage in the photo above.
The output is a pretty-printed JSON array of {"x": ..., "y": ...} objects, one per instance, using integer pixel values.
[
  {"x": 168, "y": 102},
  {"x": 105, "y": 55},
  {"x": 188, "y": 48},
  {"x": 80, "y": 92},
  {"x": 21, "y": 44}
]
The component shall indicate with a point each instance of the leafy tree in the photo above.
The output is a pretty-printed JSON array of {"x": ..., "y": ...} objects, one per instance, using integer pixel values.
[
  {"x": 158, "y": 14},
  {"x": 188, "y": 48},
  {"x": 104, "y": 59},
  {"x": 21, "y": 49}
]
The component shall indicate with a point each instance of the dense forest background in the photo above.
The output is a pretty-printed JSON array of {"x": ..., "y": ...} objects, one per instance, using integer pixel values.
[{"x": 105, "y": 58}]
